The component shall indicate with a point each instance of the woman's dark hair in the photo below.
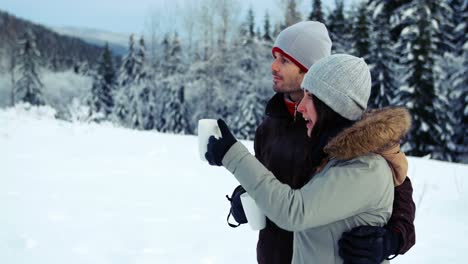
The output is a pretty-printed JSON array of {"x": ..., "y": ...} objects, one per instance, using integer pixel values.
[{"x": 328, "y": 125}]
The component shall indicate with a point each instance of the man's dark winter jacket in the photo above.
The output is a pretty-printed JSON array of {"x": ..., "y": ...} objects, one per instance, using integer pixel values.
[{"x": 280, "y": 144}]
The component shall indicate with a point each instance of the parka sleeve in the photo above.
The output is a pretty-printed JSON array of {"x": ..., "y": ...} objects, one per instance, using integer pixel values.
[
  {"x": 403, "y": 215},
  {"x": 339, "y": 193}
]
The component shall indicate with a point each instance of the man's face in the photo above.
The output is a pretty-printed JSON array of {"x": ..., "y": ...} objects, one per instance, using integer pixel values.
[{"x": 287, "y": 76}]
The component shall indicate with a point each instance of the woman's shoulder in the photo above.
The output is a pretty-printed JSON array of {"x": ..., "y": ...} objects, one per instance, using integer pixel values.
[
  {"x": 369, "y": 164},
  {"x": 368, "y": 160}
]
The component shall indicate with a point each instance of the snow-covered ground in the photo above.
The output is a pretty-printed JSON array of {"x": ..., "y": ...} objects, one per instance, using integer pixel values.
[{"x": 88, "y": 193}]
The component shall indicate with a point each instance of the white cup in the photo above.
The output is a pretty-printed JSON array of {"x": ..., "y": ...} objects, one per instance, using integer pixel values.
[
  {"x": 206, "y": 129},
  {"x": 255, "y": 216}
]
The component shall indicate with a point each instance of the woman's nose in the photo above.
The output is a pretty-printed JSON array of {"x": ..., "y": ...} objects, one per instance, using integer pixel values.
[{"x": 300, "y": 107}]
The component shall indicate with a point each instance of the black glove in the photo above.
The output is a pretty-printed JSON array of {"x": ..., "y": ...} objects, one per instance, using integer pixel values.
[
  {"x": 368, "y": 245},
  {"x": 217, "y": 148}
]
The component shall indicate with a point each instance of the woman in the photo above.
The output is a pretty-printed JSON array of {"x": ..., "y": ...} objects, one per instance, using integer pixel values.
[{"x": 352, "y": 186}]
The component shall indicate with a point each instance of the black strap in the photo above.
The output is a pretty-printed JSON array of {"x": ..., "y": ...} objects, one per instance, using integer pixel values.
[
  {"x": 231, "y": 225},
  {"x": 230, "y": 212}
]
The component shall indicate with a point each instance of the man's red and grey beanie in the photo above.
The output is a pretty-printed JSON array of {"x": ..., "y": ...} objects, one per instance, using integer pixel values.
[{"x": 304, "y": 43}]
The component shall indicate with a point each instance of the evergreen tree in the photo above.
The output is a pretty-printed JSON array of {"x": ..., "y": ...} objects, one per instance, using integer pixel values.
[
  {"x": 457, "y": 80},
  {"x": 361, "y": 37},
  {"x": 166, "y": 56},
  {"x": 266, "y": 28},
  {"x": 258, "y": 34},
  {"x": 441, "y": 17},
  {"x": 161, "y": 99},
  {"x": 177, "y": 123},
  {"x": 142, "y": 98},
  {"x": 144, "y": 110},
  {"x": 246, "y": 108},
  {"x": 251, "y": 22},
  {"x": 317, "y": 14},
  {"x": 447, "y": 106},
  {"x": 104, "y": 83},
  {"x": 127, "y": 77},
  {"x": 420, "y": 94},
  {"x": 459, "y": 21},
  {"x": 422, "y": 29},
  {"x": 249, "y": 116},
  {"x": 171, "y": 94},
  {"x": 292, "y": 15},
  {"x": 28, "y": 88},
  {"x": 459, "y": 97},
  {"x": 383, "y": 60},
  {"x": 277, "y": 30},
  {"x": 175, "y": 63},
  {"x": 143, "y": 65},
  {"x": 128, "y": 68},
  {"x": 339, "y": 29}
]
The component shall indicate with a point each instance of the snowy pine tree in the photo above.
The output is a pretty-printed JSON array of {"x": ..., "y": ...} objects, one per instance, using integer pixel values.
[
  {"x": 127, "y": 77},
  {"x": 266, "y": 28},
  {"x": 249, "y": 115},
  {"x": 459, "y": 99},
  {"x": 317, "y": 14},
  {"x": 361, "y": 33},
  {"x": 291, "y": 15},
  {"x": 143, "y": 111},
  {"x": 383, "y": 61},
  {"x": 339, "y": 29},
  {"x": 173, "y": 114},
  {"x": 420, "y": 93},
  {"x": 214, "y": 88},
  {"x": 28, "y": 88},
  {"x": 166, "y": 56},
  {"x": 456, "y": 69},
  {"x": 251, "y": 22},
  {"x": 172, "y": 53},
  {"x": 247, "y": 110},
  {"x": 441, "y": 16},
  {"x": 146, "y": 110},
  {"x": 177, "y": 118},
  {"x": 104, "y": 82},
  {"x": 460, "y": 29},
  {"x": 129, "y": 66},
  {"x": 449, "y": 110}
]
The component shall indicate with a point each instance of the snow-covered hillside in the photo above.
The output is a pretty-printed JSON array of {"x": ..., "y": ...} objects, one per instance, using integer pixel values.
[
  {"x": 88, "y": 193},
  {"x": 117, "y": 42}
]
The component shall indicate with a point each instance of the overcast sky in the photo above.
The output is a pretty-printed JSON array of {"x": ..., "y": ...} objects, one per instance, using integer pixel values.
[{"x": 124, "y": 16}]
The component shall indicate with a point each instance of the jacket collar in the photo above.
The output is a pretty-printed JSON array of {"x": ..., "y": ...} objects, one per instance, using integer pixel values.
[
  {"x": 376, "y": 132},
  {"x": 276, "y": 108}
]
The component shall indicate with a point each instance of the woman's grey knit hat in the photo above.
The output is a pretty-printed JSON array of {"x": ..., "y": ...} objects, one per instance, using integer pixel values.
[{"x": 341, "y": 81}]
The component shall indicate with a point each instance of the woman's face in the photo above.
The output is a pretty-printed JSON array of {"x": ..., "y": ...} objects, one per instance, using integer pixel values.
[{"x": 307, "y": 109}]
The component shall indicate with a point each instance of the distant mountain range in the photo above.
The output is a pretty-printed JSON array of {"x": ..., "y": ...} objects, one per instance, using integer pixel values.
[
  {"x": 118, "y": 42},
  {"x": 63, "y": 47}
]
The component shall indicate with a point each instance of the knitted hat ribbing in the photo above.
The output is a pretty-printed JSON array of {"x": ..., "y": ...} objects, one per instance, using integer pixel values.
[
  {"x": 304, "y": 43},
  {"x": 341, "y": 81}
]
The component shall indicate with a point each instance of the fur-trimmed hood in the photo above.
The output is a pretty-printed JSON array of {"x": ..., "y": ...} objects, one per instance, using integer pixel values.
[{"x": 378, "y": 131}]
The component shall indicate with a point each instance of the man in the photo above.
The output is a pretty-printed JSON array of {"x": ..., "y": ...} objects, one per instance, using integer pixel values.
[{"x": 280, "y": 142}]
